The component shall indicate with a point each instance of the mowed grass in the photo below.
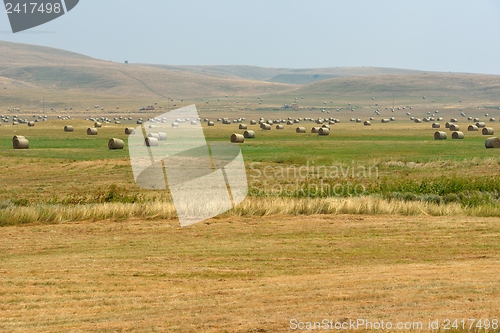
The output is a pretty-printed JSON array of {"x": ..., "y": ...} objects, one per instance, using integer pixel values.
[
  {"x": 74, "y": 168},
  {"x": 247, "y": 274}
]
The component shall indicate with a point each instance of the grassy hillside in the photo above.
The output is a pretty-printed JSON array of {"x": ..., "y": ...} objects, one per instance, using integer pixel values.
[
  {"x": 44, "y": 69},
  {"x": 31, "y": 73},
  {"x": 445, "y": 88}
]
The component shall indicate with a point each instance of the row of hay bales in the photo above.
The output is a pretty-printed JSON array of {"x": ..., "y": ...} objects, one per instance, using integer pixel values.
[
  {"x": 492, "y": 142},
  {"x": 20, "y": 142}
]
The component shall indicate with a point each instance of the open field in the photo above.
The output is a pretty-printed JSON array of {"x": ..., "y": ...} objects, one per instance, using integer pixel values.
[
  {"x": 247, "y": 274},
  {"x": 376, "y": 222}
]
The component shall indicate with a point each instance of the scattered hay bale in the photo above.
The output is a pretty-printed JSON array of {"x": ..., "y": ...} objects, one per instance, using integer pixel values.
[
  {"x": 97, "y": 125},
  {"x": 118, "y": 122},
  {"x": 129, "y": 130},
  {"x": 492, "y": 143},
  {"x": 488, "y": 131},
  {"x": 265, "y": 127},
  {"x": 315, "y": 130},
  {"x": 162, "y": 136},
  {"x": 31, "y": 123},
  {"x": 392, "y": 119},
  {"x": 249, "y": 134},
  {"x": 440, "y": 135},
  {"x": 447, "y": 125},
  {"x": 154, "y": 135},
  {"x": 280, "y": 127},
  {"x": 115, "y": 144},
  {"x": 68, "y": 128},
  {"x": 17, "y": 137},
  {"x": 454, "y": 127},
  {"x": 289, "y": 122},
  {"x": 324, "y": 131},
  {"x": 253, "y": 122},
  {"x": 139, "y": 122},
  {"x": 211, "y": 123},
  {"x": 15, "y": 123},
  {"x": 476, "y": 120},
  {"x": 453, "y": 120},
  {"x": 300, "y": 130},
  {"x": 91, "y": 131},
  {"x": 472, "y": 128},
  {"x": 175, "y": 125},
  {"x": 151, "y": 142},
  {"x": 367, "y": 123},
  {"x": 492, "y": 119},
  {"x": 457, "y": 135},
  {"x": 417, "y": 120},
  {"x": 21, "y": 143},
  {"x": 436, "y": 125},
  {"x": 481, "y": 124},
  {"x": 237, "y": 138},
  {"x": 243, "y": 127}
]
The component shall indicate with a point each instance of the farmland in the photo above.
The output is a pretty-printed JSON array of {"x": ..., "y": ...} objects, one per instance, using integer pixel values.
[{"x": 380, "y": 222}]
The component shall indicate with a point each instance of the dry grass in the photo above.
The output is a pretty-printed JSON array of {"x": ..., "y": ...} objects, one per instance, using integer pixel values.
[
  {"x": 246, "y": 274},
  {"x": 250, "y": 207}
]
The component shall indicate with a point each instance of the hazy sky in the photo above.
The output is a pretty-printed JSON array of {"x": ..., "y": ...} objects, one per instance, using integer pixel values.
[{"x": 434, "y": 35}]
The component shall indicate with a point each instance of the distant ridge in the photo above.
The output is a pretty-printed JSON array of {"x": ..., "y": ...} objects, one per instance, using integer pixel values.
[{"x": 29, "y": 72}]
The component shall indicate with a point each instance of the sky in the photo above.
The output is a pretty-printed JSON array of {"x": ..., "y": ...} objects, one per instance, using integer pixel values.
[{"x": 432, "y": 35}]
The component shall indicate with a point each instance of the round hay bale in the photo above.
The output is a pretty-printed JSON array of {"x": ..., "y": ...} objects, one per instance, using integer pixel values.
[
  {"x": 488, "y": 131},
  {"x": 91, "y": 131},
  {"x": 300, "y": 130},
  {"x": 151, "y": 142},
  {"x": 237, "y": 138},
  {"x": 453, "y": 120},
  {"x": 162, "y": 136},
  {"x": 17, "y": 137},
  {"x": 154, "y": 135},
  {"x": 492, "y": 143},
  {"x": 139, "y": 122},
  {"x": 243, "y": 127},
  {"x": 21, "y": 143},
  {"x": 417, "y": 120},
  {"x": 118, "y": 122},
  {"x": 492, "y": 119},
  {"x": 15, "y": 123},
  {"x": 68, "y": 128},
  {"x": 194, "y": 122},
  {"x": 211, "y": 123},
  {"x": 315, "y": 130},
  {"x": 97, "y": 125},
  {"x": 175, "y": 125},
  {"x": 324, "y": 131},
  {"x": 289, "y": 122},
  {"x": 253, "y": 122},
  {"x": 129, "y": 130},
  {"x": 436, "y": 125},
  {"x": 457, "y": 135},
  {"x": 481, "y": 124},
  {"x": 367, "y": 123},
  {"x": 440, "y": 135},
  {"x": 280, "y": 127},
  {"x": 265, "y": 127},
  {"x": 476, "y": 120},
  {"x": 31, "y": 123},
  {"x": 472, "y": 128},
  {"x": 249, "y": 134},
  {"x": 115, "y": 144},
  {"x": 454, "y": 127}
]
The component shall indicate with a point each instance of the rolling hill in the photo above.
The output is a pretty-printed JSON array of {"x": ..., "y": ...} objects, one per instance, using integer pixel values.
[{"x": 30, "y": 73}]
